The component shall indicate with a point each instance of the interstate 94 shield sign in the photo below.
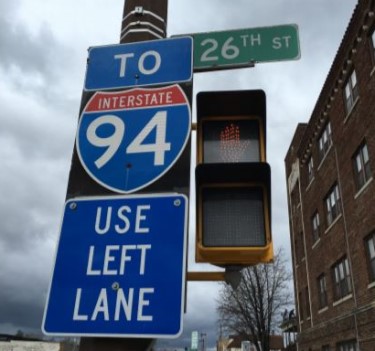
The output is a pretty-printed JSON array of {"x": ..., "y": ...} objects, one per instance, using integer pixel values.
[{"x": 126, "y": 140}]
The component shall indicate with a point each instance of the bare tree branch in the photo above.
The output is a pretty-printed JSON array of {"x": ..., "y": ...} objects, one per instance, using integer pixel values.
[{"x": 255, "y": 307}]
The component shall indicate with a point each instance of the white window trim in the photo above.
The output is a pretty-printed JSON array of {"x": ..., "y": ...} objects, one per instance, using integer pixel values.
[
  {"x": 364, "y": 186},
  {"x": 325, "y": 156},
  {"x": 351, "y": 88},
  {"x": 309, "y": 185},
  {"x": 315, "y": 244},
  {"x": 347, "y": 116},
  {"x": 372, "y": 40},
  {"x": 333, "y": 223},
  {"x": 343, "y": 299},
  {"x": 323, "y": 309}
]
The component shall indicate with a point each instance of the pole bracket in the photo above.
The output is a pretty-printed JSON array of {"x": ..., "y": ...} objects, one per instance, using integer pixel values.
[
  {"x": 155, "y": 25},
  {"x": 205, "y": 276}
]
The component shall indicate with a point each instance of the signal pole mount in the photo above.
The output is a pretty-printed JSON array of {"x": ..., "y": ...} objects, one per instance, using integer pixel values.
[{"x": 142, "y": 20}]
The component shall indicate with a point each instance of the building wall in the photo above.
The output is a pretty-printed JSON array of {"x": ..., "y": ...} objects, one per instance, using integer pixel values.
[
  {"x": 17, "y": 345},
  {"x": 353, "y": 316}
]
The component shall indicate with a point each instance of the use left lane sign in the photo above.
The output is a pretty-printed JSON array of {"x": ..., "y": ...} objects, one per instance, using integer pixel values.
[
  {"x": 127, "y": 140},
  {"x": 120, "y": 267}
]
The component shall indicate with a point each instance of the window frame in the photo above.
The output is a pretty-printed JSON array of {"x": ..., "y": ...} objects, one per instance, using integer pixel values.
[
  {"x": 296, "y": 251},
  {"x": 325, "y": 141},
  {"x": 332, "y": 203},
  {"x": 315, "y": 226},
  {"x": 322, "y": 291},
  {"x": 301, "y": 307},
  {"x": 370, "y": 254},
  {"x": 341, "y": 277},
  {"x": 351, "y": 91},
  {"x": 307, "y": 303},
  {"x": 350, "y": 345},
  {"x": 372, "y": 45},
  {"x": 302, "y": 244},
  {"x": 361, "y": 166},
  {"x": 310, "y": 170}
]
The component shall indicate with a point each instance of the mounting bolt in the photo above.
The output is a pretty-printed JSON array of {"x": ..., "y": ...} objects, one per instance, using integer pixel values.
[
  {"x": 115, "y": 286},
  {"x": 73, "y": 206},
  {"x": 138, "y": 10}
]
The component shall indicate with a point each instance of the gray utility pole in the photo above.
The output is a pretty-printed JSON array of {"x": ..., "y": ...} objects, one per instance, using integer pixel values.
[{"x": 142, "y": 20}]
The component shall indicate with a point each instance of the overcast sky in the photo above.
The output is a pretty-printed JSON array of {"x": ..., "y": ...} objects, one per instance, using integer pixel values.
[{"x": 43, "y": 51}]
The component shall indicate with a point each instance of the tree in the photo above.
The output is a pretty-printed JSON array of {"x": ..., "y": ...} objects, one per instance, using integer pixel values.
[{"x": 253, "y": 310}]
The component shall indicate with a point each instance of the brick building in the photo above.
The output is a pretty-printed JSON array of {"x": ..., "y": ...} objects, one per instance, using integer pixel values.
[{"x": 330, "y": 166}]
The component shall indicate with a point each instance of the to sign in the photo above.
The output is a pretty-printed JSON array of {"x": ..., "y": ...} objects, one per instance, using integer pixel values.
[
  {"x": 126, "y": 140},
  {"x": 119, "y": 268},
  {"x": 244, "y": 47},
  {"x": 142, "y": 63}
]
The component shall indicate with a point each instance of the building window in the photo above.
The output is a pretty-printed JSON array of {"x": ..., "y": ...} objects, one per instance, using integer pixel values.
[
  {"x": 325, "y": 141},
  {"x": 322, "y": 291},
  {"x": 307, "y": 303},
  {"x": 301, "y": 315},
  {"x": 296, "y": 251},
  {"x": 332, "y": 202},
  {"x": 315, "y": 222},
  {"x": 373, "y": 45},
  {"x": 370, "y": 248},
  {"x": 351, "y": 91},
  {"x": 361, "y": 166},
  {"x": 310, "y": 169},
  {"x": 295, "y": 199},
  {"x": 341, "y": 279},
  {"x": 299, "y": 247},
  {"x": 347, "y": 346},
  {"x": 302, "y": 245}
]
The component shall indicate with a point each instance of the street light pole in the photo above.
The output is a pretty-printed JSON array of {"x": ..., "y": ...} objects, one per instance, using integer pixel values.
[{"x": 203, "y": 335}]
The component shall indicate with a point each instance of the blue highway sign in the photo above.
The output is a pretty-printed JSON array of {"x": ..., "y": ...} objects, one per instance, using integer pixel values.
[
  {"x": 126, "y": 140},
  {"x": 137, "y": 64},
  {"x": 120, "y": 268}
]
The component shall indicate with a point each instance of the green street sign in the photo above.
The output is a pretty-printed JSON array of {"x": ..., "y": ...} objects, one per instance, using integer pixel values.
[{"x": 245, "y": 47}]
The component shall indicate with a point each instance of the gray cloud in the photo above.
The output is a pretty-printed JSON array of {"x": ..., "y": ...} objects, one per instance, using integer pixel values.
[
  {"x": 28, "y": 53},
  {"x": 24, "y": 276}
]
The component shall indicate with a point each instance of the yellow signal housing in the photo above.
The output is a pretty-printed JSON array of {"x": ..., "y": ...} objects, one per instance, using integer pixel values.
[{"x": 233, "y": 179}]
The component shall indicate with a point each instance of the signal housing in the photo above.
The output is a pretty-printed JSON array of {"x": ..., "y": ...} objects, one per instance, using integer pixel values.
[{"x": 233, "y": 180}]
